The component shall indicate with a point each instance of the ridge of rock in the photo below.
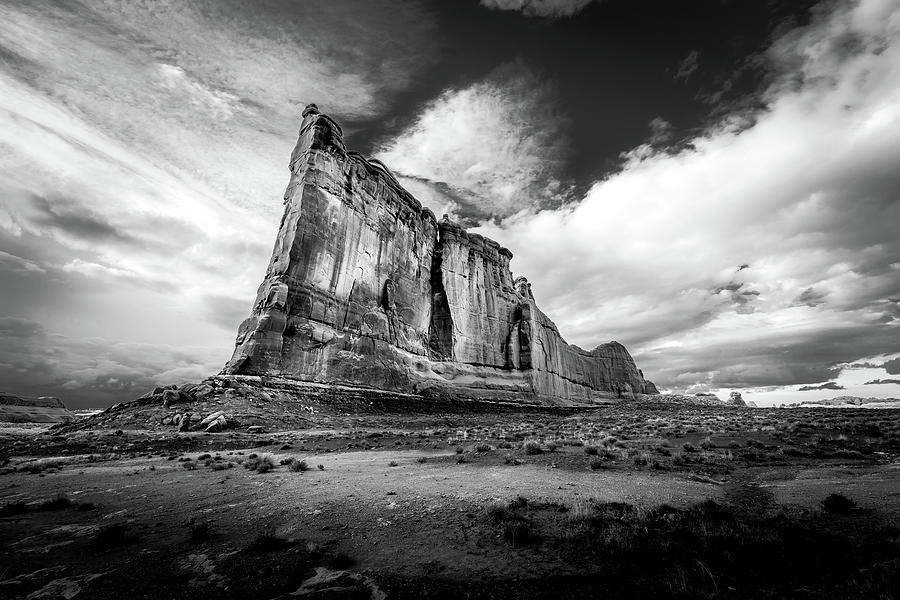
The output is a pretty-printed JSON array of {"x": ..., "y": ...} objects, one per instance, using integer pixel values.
[
  {"x": 27, "y": 409},
  {"x": 366, "y": 287}
]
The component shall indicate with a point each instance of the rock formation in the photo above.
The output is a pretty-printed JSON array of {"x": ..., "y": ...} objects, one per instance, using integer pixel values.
[
  {"x": 735, "y": 399},
  {"x": 367, "y": 288},
  {"x": 25, "y": 409}
]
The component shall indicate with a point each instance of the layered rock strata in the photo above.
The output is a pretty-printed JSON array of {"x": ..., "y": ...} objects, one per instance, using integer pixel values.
[{"x": 366, "y": 287}]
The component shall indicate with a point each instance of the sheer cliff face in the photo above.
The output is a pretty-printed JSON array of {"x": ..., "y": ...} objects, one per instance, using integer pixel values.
[
  {"x": 476, "y": 293},
  {"x": 366, "y": 288},
  {"x": 350, "y": 275}
]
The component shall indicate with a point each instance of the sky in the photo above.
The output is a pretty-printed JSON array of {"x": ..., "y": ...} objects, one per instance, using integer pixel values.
[{"x": 713, "y": 183}]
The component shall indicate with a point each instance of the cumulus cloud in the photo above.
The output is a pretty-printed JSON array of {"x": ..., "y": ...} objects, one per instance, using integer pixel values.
[
  {"x": 788, "y": 211},
  {"x": 539, "y": 8},
  {"x": 493, "y": 148}
]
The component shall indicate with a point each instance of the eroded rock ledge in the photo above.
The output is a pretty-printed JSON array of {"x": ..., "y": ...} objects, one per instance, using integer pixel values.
[{"x": 366, "y": 287}]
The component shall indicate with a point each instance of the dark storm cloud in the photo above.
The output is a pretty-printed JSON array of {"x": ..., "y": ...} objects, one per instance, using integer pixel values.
[
  {"x": 825, "y": 386},
  {"x": 92, "y": 372},
  {"x": 12, "y": 327},
  {"x": 76, "y": 220},
  {"x": 766, "y": 358},
  {"x": 892, "y": 366},
  {"x": 811, "y": 297}
]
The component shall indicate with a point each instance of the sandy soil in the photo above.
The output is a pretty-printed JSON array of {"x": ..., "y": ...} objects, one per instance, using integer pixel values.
[{"x": 409, "y": 510}]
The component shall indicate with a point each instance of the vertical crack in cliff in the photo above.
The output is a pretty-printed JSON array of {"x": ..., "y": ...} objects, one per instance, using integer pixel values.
[
  {"x": 441, "y": 326},
  {"x": 347, "y": 308}
]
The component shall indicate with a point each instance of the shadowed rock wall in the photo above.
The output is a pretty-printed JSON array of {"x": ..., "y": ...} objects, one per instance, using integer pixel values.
[
  {"x": 477, "y": 287},
  {"x": 365, "y": 287}
]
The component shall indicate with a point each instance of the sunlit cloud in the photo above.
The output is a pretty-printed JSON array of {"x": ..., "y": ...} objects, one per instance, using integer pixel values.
[
  {"x": 758, "y": 254},
  {"x": 493, "y": 148}
]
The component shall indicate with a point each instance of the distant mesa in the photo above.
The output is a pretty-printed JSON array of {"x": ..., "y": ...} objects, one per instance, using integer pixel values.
[
  {"x": 26, "y": 409},
  {"x": 825, "y": 386},
  {"x": 367, "y": 288},
  {"x": 854, "y": 402},
  {"x": 882, "y": 382}
]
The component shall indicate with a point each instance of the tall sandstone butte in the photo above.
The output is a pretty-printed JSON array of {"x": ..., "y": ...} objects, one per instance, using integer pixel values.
[{"x": 367, "y": 288}]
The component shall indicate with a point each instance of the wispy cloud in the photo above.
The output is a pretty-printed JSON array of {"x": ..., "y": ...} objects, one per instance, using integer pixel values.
[
  {"x": 540, "y": 8},
  {"x": 142, "y": 161},
  {"x": 688, "y": 65}
]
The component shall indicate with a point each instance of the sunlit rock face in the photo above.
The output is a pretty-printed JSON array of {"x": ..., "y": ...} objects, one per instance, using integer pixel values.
[{"x": 366, "y": 288}]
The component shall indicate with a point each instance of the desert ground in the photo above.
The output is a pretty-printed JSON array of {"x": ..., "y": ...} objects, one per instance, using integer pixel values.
[{"x": 379, "y": 500}]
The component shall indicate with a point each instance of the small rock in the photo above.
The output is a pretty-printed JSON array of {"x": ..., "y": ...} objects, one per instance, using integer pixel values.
[
  {"x": 202, "y": 390},
  {"x": 170, "y": 397},
  {"x": 256, "y": 429},
  {"x": 67, "y": 588},
  {"x": 327, "y": 583},
  {"x": 58, "y": 588},
  {"x": 16, "y": 585},
  {"x": 218, "y": 425},
  {"x": 209, "y": 419}
]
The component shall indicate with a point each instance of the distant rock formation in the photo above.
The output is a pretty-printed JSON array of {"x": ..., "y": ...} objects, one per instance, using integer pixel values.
[
  {"x": 702, "y": 399},
  {"x": 735, "y": 399},
  {"x": 854, "y": 402},
  {"x": 25, "y": 409},
  {"x": 367, "y": 288}
]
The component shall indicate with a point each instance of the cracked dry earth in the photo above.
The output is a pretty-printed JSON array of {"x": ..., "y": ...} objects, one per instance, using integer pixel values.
[{"x": 409, "y": 513}]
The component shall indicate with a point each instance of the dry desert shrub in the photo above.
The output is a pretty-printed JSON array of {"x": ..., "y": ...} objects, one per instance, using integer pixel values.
[
  {"x": 298, "y": 466},
  {"x": 532, "y": 447},
  {"x": 838, "y": 504},
  {"x": 260, "y": 464}
]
